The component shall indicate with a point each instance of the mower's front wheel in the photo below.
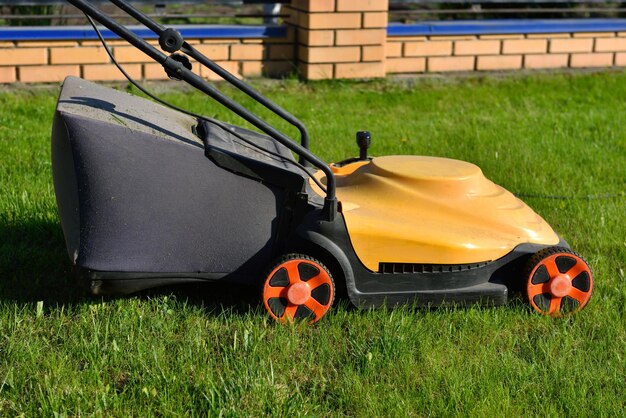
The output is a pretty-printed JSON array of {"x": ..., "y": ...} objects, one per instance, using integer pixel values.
[
  {"x": 558, "y": 281},
  {"x": 298, "y": 287}
]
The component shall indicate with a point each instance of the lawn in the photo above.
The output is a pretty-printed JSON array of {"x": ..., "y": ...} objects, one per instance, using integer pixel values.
[{"x": 559, "y": 141}]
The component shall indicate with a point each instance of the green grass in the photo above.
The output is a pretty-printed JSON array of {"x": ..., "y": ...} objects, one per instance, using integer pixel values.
[{"x": 212, "y": 350}]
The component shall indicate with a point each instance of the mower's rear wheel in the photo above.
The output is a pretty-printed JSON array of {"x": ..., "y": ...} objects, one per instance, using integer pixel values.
[
  {"x": 558, "y": 282},
  {"x": 298, "y": 287}
]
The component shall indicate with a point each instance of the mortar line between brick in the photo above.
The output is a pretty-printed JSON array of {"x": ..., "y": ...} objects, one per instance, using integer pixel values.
[
  {"x": 569, "y": 60},
  {"x": 294, "y": 47}
]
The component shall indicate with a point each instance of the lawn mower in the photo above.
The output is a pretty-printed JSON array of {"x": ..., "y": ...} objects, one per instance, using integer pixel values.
[{"x": 149, "y": 195}]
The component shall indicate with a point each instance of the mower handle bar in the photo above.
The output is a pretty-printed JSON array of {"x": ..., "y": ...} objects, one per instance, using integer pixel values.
[
  {"x": 173, "y": 66},
  {"x": 192, "y": 52}
]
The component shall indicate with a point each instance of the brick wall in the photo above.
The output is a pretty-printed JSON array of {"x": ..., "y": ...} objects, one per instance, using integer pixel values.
[
  {"x": 340, "y": 38},
  {"x": 420, "y": 54},
  {"x": 52, "y": 61},
  {"x": 343, "y": 39}
]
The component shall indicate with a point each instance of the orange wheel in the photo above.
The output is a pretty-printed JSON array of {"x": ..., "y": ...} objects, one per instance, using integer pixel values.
[
  {"x": 298, "y": 287},
  {"x": 558, "y": 282}
]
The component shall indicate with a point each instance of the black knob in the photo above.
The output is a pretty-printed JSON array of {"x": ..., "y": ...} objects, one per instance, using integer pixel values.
[
  {"x": 183, "y": 60},
  {"x": 171, "y": 40},
  {"x": 363, "y": 140}
]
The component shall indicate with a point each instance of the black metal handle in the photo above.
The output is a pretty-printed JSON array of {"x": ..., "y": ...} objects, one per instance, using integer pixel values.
[
  {"x": 193, "y": 53},
  {"x": 175, "y": 67}
]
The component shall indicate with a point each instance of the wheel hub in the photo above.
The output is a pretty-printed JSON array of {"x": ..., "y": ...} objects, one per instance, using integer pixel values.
[
  {"x": 298, "y": 293},
  {"x": 560, "y": 285}
]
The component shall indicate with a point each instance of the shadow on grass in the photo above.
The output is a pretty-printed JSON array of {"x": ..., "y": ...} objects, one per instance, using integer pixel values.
[
  {"x": 214, "y": 297},
  {"x": 34, "y": 266}
]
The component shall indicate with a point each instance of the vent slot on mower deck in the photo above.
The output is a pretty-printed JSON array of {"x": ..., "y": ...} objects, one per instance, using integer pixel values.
[{"x": 404, "y": 268}]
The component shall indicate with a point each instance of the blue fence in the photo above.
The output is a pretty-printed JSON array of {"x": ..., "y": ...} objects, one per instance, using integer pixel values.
[
  {"x": 433, "y": 28},
  {"x": 57, "y": 33},
  {"x": 506, "y": 26}
]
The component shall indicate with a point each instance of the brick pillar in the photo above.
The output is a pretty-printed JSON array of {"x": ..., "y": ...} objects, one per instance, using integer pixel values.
[{"x": 340, "y": 38}]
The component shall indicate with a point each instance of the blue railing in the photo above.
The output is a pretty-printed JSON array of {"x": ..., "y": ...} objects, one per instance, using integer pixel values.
[
  {"x": 426, "y": 28},
  {"x": 53, "y": 33},
  {"x": 505, "y": 26}
]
